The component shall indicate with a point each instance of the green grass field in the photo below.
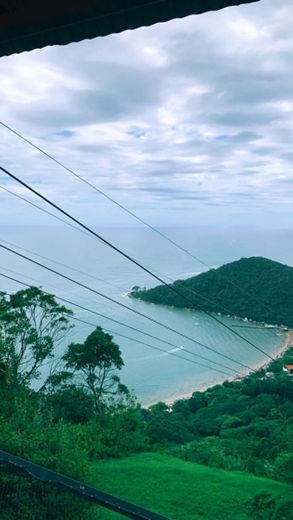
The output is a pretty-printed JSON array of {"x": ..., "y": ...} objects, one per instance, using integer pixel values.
[{"x": 181, "y": 490}]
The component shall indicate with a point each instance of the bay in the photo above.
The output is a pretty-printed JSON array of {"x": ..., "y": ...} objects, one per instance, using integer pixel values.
[{"x": 151, "y": 374}]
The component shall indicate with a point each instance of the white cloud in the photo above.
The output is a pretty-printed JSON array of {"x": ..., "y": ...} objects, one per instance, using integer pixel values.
[{"x": 190, "y": 117}]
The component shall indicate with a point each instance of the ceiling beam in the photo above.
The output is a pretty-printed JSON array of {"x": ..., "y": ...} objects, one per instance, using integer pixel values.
[{"x": 31, "y": 24}]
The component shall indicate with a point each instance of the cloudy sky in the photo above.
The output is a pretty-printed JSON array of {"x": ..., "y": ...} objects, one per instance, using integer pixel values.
[{"x": 188, "y": 122}]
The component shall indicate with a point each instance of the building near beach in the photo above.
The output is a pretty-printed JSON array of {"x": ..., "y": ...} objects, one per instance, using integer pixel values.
[{"x": 289, "y": 369}]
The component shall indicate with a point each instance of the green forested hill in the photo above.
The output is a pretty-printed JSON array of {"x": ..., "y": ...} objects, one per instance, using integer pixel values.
[{"x": 256, "y": 288}]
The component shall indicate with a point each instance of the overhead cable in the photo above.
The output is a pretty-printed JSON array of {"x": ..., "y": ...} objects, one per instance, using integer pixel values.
[
  {"x": 123, "y": 305},
  {"x": 70, "y": 268},
  {"x": 191, "y": 291},
  {"x": 135, "y": 329},
  {"x": 67, "y": 222},
  {"x": 131, "y": 259},
  {"x": 124, "y": 208},
  {"x": 132, "y": 339}
]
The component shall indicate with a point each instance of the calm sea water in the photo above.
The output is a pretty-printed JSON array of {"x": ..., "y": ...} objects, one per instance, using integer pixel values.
[{"x": 151, "y": 374}]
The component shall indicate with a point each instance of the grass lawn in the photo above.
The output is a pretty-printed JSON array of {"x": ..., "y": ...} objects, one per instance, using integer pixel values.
[{"x": 180, "y": 490}]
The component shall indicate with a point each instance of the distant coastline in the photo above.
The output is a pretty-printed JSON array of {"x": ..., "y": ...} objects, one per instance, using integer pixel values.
[{"x": 287, "y": 343}]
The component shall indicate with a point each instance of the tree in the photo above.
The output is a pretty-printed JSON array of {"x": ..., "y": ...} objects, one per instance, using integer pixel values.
[
  {"x": 31, "y": 324},
  {"x": 283, "y": 467},
  {"x": 95, "y": 363},
  {"x": 70, "y": 404}
]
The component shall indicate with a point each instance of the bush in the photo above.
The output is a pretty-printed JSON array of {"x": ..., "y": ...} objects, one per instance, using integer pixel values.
[
  {"x": 262, "y": 506},
  {"x": 267, "y": 507},
  {"x": 283, "y": 467}
]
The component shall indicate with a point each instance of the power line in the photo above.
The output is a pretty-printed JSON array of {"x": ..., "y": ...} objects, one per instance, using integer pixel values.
[
  {"x": 153, "y": 347},
  {"x": 81, "y": 230},
  {"x": 78, "y": 270},
  {"x": 150, "y": 335},
  {"x": 56, "y": 217},
  {"x": 131, "y": 259},
  {"x": 125, "y": 209},
  {"x": 82, "y": 307},
  {"x": 135, "y": 329},
  {"x": 123, "y": 305},
  {"x": 83, "y": 273},
  {"x": 44, "y": 210},
  {"x": 192, "y": 291},
  {"x": 128, "y": 337}
]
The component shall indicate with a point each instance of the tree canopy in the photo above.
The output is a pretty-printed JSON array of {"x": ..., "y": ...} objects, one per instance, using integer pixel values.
[
  {"x": 254, "y": 288},
  {"x": 94, "y": 364},
  {"x": 32, "y": 323},
  {"x": 82, "y": 413}
]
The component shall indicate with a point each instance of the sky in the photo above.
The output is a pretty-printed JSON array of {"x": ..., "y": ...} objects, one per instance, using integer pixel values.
[{"x": 186, "y": 123}]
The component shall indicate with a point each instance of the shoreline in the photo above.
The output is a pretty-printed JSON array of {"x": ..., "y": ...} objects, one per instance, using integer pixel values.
[{"x": 287, "y": 343}]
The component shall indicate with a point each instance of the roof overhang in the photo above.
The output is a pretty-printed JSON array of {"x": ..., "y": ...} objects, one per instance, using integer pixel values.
[{"x": 31, "y": 24}]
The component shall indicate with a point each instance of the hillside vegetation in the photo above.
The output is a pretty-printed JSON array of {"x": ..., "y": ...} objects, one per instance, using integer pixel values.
[
  {"x": 239, "y": 425},
  {"x": 82, "y": 413},
  {"x": 184, "y": 491},
  {"x": 254, "y": 288}
]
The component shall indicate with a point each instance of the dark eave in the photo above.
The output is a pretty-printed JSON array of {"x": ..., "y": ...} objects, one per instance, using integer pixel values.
[{"x": 31, "y": 24}]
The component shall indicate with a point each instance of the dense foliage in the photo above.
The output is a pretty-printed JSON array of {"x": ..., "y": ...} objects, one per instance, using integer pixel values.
[
  {"x": 254, "y": 288},
  {"x": 82, "y": 414},
  {"x": 32, "y": 324},
  {"x": 242, "y": 425}
]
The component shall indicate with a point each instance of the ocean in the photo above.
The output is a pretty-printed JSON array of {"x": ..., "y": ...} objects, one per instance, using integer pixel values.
[{"x": 152, "y": 375}]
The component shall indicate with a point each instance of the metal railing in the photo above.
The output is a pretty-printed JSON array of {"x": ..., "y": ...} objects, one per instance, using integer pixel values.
[{"x": 29, "y": 491}]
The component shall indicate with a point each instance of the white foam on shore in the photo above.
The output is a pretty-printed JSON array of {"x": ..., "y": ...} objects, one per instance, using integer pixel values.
[{"x": 201, "y": 388}]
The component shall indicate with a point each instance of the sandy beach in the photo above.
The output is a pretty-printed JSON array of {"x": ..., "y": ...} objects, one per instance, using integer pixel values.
[{"x": 288, "y": 342}]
